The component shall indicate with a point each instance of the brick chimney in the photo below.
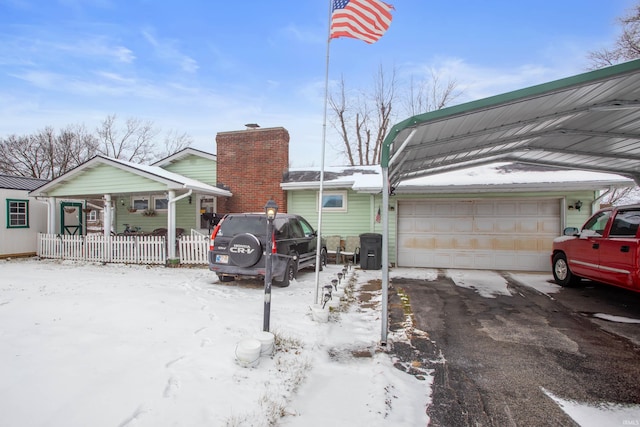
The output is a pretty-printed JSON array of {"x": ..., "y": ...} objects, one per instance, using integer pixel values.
[{"x": 251, "y": 163}]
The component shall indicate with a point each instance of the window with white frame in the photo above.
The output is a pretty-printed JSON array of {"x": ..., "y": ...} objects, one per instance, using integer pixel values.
[
  {"x": 17, "y": 213},
  {"x": 140, "y": 202},
  {"x": 92, "y": 216},
  {"x": 334, "y": 201},
  {"x": 160, "y": 203}
]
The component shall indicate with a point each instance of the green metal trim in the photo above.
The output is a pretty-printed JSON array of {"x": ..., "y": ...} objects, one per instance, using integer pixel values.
[{"x": 505, "y": 98}]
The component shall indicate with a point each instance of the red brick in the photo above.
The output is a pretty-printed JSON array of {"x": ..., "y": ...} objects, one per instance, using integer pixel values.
[{"x": 251, "y": 163}]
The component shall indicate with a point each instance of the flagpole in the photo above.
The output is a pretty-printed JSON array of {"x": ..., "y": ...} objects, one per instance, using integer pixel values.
[{"x": 324, "y": 138}]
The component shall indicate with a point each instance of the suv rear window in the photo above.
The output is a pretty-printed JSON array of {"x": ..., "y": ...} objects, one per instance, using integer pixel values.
[{"x": 256, "y": 225}]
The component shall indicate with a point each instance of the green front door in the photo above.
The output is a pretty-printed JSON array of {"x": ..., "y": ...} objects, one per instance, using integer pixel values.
[{"x": 71, "y": 218}]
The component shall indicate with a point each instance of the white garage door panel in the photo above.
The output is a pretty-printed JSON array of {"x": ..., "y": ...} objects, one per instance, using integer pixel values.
[{"x": 479, "y": 234}]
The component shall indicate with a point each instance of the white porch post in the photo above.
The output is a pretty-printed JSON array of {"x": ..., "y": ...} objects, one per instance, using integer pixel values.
[
  {"x": 107, "y": 215},
  {"x": 171, "y": 225},
  {"x": 107, "y": 225}
]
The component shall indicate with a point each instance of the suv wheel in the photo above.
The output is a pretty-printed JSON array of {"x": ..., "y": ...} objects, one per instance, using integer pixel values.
[
  {"x": 245, "y": 250},
  {"x": 561, "y": 272},
  {"x": 323, "y": 258},
  {"x": 225, "y": 278},
  {"x": 289, "y": 275}
]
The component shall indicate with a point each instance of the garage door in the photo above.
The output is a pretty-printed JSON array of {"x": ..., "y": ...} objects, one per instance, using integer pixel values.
[{"x": 478, "y": 234}]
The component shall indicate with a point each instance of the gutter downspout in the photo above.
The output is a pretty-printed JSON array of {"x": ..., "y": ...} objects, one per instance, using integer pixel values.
[
  {"x": 49, "y": 201},
  {"x": 171, "y": 222}
]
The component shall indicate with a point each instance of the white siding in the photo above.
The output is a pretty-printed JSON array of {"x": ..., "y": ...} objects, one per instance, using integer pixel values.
[{"x": 21, "y": 241}]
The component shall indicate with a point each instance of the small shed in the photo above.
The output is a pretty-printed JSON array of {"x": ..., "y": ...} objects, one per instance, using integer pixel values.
[{"x": 23, "y": 216}]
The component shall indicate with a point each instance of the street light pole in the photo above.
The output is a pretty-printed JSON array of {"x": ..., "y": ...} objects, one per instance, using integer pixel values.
[{"x": 270, "y": 209}]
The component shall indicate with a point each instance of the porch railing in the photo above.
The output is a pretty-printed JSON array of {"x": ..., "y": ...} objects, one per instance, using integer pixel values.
[{"x": 121, "y": 249}]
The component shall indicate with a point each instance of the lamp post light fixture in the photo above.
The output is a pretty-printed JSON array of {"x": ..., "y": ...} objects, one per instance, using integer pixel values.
[
  {"x": 578, "y": 205},
  {"x": 271, "y": 210}
]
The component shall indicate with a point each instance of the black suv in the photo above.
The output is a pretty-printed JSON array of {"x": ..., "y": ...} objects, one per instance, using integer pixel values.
[{"x": 238, "y": 245}]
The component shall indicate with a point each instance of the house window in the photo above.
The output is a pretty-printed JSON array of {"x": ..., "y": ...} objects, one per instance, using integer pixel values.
[
  {"x": 160, "y": 203},
  {"x": 140, "y": 203},
  {"x": 334, "y": 201},
  {"x": 92, "y": 216},
  {"x": 17, "y": 213}
]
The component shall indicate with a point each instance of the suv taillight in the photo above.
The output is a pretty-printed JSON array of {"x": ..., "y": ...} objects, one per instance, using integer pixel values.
[
  {"x": 274, "y": 248},
  {"x": 214, "y": 233}
]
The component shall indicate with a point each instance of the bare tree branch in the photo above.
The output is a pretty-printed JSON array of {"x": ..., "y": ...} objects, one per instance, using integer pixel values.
[
  {"x": 48, "y": 154},
  {"x": 363, "y": 121},
  {"x": 626, "y": 47}
]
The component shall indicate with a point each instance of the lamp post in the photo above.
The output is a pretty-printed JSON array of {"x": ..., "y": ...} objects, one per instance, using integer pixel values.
[{"x": 270, "y": 209}]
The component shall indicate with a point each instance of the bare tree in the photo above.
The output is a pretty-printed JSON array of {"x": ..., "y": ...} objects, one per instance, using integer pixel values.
[
  {"x": 48, "y": 154},
  {"x": 623, "y": 196},
  {"x": 626, "y": 46},
  {"x": 429, "y": 94},
  {"x": 21, "y": 156},
  {"x": 362, "y": 120},
  {"x": 78, "y": 145},
  {"x": 133, "y": 142},
  {"x": 174, "y": 142}
]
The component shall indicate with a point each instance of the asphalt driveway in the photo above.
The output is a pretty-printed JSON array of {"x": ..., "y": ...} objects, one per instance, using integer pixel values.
[{"x": 497, "y": 361}]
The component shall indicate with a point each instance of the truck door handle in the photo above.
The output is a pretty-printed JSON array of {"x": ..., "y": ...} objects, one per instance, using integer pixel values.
[
  {"x": 596, "y": 245},
  {"x": 624, "y": 248}
]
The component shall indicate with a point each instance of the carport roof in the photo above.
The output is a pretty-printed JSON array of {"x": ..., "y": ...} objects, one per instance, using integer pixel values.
[{"x": 590, "y": 121}]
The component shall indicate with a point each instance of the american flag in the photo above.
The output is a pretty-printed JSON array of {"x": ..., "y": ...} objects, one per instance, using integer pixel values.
[{"x": 360, "y": 19}]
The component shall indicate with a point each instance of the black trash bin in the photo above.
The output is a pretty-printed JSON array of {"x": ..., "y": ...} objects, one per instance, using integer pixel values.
[{"x": 371, "y": 251}]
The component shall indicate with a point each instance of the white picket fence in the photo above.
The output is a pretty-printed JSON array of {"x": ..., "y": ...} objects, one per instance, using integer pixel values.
[
  {"x": 121, "y": 249},
  {"x": 193, "y": 249}
]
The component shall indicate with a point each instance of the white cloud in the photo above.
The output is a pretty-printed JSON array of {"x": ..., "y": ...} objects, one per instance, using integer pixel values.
[{"x": 167, "y": 51}]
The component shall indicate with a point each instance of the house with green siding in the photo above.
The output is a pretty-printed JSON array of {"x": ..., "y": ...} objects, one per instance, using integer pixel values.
[
  {"x": 168, "y": 198},
  {"x": 500, "y": 216}
]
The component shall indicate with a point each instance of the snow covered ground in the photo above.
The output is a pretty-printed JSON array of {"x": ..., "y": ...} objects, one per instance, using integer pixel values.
[{"x": 115, "y": 345}]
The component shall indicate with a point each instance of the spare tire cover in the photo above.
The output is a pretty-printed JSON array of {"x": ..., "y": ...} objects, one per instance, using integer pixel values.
[{"x": 245, "y": 250}]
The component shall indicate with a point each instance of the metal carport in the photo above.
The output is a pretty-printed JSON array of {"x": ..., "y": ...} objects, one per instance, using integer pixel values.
[{"x": 590, "y": 121}]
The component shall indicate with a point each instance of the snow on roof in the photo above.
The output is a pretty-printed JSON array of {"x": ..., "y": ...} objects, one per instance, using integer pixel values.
[
  {"x": 496, "y": 176},
  {"x": 172, "y": 176},
  {"x": 182, "y": 154},
  {"x": 514, "y": 175},
  {"x": 357, "y": 178}
]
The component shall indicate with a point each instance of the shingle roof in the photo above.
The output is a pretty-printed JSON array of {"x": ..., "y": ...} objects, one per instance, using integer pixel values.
[
  {"x": 330, "y": 174},
  {"x": 20, "y": 182}
]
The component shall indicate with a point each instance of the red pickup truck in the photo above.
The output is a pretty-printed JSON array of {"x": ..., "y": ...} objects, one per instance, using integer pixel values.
[{"x": 606, "y": 250}]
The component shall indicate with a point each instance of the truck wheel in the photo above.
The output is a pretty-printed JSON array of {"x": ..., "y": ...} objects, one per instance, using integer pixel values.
[
  {"x": 289, "y": 275},
  {"x": 561, "y": 272}
]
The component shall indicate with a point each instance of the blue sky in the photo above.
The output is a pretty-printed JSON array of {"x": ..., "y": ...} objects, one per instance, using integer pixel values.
[{"x": 204, "y": 67}]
